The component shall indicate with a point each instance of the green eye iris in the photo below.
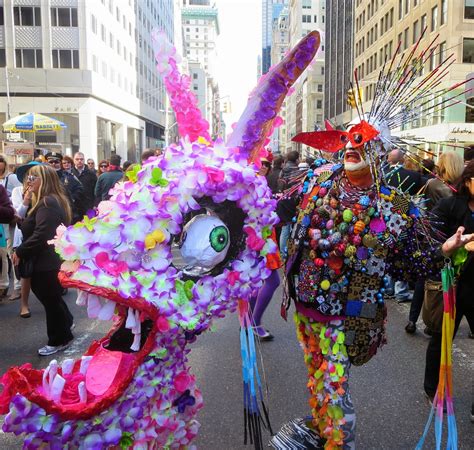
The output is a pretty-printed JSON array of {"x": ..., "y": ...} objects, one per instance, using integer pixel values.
[{"x": 219, "y": 238}]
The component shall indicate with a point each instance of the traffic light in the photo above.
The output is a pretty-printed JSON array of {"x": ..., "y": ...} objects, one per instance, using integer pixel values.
[{"x": 354, "y": 97}]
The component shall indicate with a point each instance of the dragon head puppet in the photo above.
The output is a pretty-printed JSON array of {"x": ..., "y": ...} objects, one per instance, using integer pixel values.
[{"x": 179, "y": 243}]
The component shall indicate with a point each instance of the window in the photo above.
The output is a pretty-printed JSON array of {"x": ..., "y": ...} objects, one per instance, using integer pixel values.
[
  {"x": 434, "y": 18},
  {"x": 306, "y": 18},
  {"x": 468, "y": 50},
  {"x": 407, "y": 6},
  {"x": 3, "y": 62},
  {"x": 315, "y": 18},
  {"x": 405, "y": 39},
  {"x": 322, "y": 70},
  {"x": 432, "y": 60},
  {"x": 400, "y": 9},
  {"x": 444, "y": 11},
  {"x": 93, "y": 24},
  {"x": 27, "y": 16},
  {"x": 2, "y": 20},
  {"x": 64, "y": 17},
  {"x": 95, "y": 64},
  {"x": 65, "y": 59},
  {"x": 307, "y": 4},
  {"x": 423, "y": 22},
  {"x": 469, "y": 9},
  {"x": 470, "y": 111},
  {"x": 29, "y": 57},
  {"x": 416, "y": 31},
  {"x": 442, "y": 51},
  {"x": 103, "y": 33},
  {"x": 111, "y": 40},
  {"x": 320, "y": 88}
]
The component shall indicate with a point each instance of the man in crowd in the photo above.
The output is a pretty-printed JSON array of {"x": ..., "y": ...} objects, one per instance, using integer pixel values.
[
  {"x": 91, "y": 165},
  {"x": 108, "y": 179},
  {"x": 73, "y": 186},
  {"x": 88, "y": 178}
]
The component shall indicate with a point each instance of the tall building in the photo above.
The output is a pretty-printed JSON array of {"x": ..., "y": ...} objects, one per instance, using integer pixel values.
[
  {"x": 381, "y": 26},
  {"x": 280, "y": 40},
  {"x": 89, "y": 64},
  {"x": 305, "y": 108},
  {"x": 339, "y": 57},
  {"x": 270, "y": 11},
  {"x": 201, "y": 28}
]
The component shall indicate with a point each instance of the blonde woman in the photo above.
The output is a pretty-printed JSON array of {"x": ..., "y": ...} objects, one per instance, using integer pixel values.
[
  {"x": 450, "y": 168},
  {"x": 38, "y": 260}
]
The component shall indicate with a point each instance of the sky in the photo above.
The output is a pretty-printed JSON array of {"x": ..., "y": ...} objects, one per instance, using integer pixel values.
[{"x": 238, "y": 47}]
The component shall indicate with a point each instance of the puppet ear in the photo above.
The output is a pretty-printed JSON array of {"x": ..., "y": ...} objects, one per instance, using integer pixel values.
[
  {"x": 329, "y": 141},
  {"x": 256, "y": 122}
]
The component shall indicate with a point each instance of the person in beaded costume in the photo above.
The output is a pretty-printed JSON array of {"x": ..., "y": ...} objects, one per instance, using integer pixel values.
[{"x": 350, "y": 231}]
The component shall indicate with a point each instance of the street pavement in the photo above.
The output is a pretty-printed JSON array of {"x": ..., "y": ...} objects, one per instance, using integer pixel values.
[{"x": 387, "y": 392}]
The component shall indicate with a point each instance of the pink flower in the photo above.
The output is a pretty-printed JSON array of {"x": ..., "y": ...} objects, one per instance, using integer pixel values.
[
  {"x": 233, "y": 277},
  {"x": 162, "y": 324},
  {"x": 182, "y": 381},
  {"x": 215, "y": 175},
  {"x": 253, "y": 240},
  {"x": 114, "y": 268}
]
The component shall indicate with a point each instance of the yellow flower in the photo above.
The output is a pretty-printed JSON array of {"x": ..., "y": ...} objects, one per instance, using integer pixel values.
[{"x": 155, "y": 237}]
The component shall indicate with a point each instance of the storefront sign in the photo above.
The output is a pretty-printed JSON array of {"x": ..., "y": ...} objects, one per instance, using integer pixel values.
[
  {"x": 68, "y": 109},
  {"x": 459, "y": 130}
]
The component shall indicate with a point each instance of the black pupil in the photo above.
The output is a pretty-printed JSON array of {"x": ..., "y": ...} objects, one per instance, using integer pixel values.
[{"x": 357, "y": 138}]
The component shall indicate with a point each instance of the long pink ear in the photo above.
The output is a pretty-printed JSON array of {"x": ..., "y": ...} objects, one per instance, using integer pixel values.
[
  {"x": 188, "y": 115},
  {"x": 255, "y": 124}
]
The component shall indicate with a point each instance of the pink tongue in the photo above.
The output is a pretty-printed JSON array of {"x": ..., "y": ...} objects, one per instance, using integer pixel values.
[{"x": 102, "y": 371}]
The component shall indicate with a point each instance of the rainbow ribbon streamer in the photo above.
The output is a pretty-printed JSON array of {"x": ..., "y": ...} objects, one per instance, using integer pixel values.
[
  {"x": 253, "y": 392},
  {"x": 444, "y": 392}
]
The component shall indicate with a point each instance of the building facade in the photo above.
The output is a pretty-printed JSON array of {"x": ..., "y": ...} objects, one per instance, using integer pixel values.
[
  {"x": 280, "y": 42},
  {"x": 339, "y": 58},
  {"x": 379, "y": 28},
  {"x": 89, "y": 64},
  {"x": 271, "y": 9},
  {"x": 305, "y": 108},
  {"x": 201, "y": 29}
]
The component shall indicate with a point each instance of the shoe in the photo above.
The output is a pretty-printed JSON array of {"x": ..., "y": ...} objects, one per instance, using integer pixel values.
[
  {"x": 265, "y": 336},
  {"x": 26, "y": 315},
  {"x": 73, "y": 326},
  {"x": 3, "y": 294},
  {"x": 471, "y": 335},
  {"x": 410, "y": 328},
  {"x": 51, "y": 349},
  {"x": 15, "y": 295},
  {"x": 403, "y": 299},
  {"x": 428, "y": 331}
]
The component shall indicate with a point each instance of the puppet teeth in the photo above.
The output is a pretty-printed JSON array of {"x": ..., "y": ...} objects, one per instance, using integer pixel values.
[
  {"x": 45, "y": 381},
  {"x": 82, "y": 298},
  {"x": 131, "y": 319},
  {"x": 93, "y": 306},
  {"x": 107, "y": 311},
  {"x": 85, "y": 360},
  {"x": 53, "y": 370},
  {"x": 57, "y": 388},
  {"x": 82, "y": 391},
  {"x": 67, "y": 366},
  {"x": 136, "y": 342}
]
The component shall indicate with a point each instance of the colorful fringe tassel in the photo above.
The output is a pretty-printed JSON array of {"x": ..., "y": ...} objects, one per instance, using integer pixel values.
[
  {"x": 444, "y": 392},
  {"x": 253, "y": 393}
]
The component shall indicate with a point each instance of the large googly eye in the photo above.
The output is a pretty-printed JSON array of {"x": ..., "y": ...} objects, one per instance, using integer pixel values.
[
  {"x": 205, "y": 241},
  {"x": 357, "y": 138}
]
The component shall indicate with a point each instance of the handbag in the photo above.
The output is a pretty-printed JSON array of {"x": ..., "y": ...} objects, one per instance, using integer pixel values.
[
  {"x": 432, "y": 310},
  {"x": 26, "y": 267}
]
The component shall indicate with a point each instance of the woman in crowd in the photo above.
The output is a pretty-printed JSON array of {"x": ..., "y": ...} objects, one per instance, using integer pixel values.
[
  {"x": 455, "y": 218},
  {"x": 260, "y": 303},
  {"x": 450, "y": 168},
  {"x": 21, "y": 200},
  {"x": 67, "y": 163},
  {"x": 37, "y": 259},
  {"x": 103, "y": 166},
  {"x": 9, "y": 181}
]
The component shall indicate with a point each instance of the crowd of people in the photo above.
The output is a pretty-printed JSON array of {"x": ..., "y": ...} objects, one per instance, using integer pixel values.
[{"x": 35, "y": 198}]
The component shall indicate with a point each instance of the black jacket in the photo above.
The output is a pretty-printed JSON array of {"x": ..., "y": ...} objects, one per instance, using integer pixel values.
[
  {"x": 38, "y": 228},
  {"x": 450, "y": 214},
  {"x": 106, "y": 182},
  {"x": 88, "y": 180},
  {"x": 404, "y": 179},
  {"x": 7, "y": 212}
]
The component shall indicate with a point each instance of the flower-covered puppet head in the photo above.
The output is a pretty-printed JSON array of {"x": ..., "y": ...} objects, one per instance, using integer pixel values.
[{"x": 178, "y": 244}]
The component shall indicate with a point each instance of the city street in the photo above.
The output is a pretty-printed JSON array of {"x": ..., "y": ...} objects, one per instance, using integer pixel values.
[{"x": 387, "y": 392}]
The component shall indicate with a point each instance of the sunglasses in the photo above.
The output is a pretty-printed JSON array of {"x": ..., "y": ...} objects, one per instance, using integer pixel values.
[
  {"x": 31, "y": 178},
  {"x": 104, "y": 166},
  {"x": 54, "y": 161}
]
